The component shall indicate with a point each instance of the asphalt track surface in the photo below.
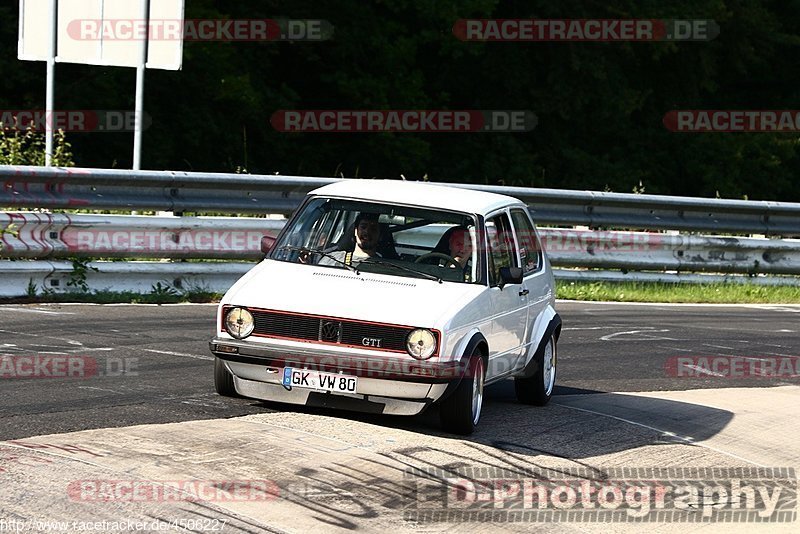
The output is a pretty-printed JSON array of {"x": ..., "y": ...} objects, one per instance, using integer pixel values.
[
  {"x": 604, "y": 347},
  {"x": 71, "y": 449}
]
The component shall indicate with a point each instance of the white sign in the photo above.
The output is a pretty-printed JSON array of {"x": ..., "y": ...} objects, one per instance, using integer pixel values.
[{"x": 104, "y": 32}]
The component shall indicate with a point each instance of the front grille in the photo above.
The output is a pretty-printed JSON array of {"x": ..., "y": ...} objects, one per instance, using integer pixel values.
[
  {"x": 331, "y": 330},
  {"x": 281, "y": 325}
]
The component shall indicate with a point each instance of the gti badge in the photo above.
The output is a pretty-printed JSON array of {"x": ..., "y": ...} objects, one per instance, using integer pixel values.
[{"x": 371, "y": 342}]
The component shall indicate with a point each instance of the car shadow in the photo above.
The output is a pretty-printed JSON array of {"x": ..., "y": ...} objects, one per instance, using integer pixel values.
[
  {"x": 568, "y": 427},
  {"x": 561, "y": 439}
]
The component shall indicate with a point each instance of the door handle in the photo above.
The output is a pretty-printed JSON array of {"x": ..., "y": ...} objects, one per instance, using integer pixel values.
[{"x": 523, "y": 292}]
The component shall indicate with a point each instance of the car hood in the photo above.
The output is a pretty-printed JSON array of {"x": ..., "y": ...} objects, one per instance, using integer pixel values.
[{"x": 341, "y": 293}]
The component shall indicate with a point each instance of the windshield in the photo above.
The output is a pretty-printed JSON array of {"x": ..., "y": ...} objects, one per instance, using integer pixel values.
[{"x": 382, "y": 238}]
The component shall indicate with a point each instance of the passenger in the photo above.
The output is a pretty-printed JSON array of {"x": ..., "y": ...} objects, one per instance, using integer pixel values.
[{"x": 460, "y": 244}]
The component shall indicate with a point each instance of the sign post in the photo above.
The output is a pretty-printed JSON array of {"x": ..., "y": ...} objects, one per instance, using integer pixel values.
[
  {"x": 51, "y": 83},
  {"x": 140, "y": 71},
  {"x": 88, "y": 32}
]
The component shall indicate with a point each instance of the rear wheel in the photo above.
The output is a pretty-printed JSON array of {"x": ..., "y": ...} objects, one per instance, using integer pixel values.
[
  {"x": 223, "y": 380},
  {"x": 538, "y": 389},
  {"x": 461, "y": 411}
]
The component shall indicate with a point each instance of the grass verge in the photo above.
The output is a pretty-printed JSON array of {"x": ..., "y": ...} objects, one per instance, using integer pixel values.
[
  {"x": 678, "y": 293},
  {"x": 118, "y": 297},
  {"x": 592, "y": 291}
]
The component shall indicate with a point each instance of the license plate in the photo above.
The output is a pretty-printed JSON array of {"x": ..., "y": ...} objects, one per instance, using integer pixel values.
[{"x": 303, "y": 378}]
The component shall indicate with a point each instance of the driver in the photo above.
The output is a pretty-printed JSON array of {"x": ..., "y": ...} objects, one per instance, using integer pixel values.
[{"x": 367, "y": 235}]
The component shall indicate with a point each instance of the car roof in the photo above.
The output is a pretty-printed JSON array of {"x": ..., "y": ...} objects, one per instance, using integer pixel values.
[{"x": 418, "y": 194}]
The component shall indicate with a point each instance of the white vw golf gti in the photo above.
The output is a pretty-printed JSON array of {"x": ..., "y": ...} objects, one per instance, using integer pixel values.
[{"x": 388, "y": 297}]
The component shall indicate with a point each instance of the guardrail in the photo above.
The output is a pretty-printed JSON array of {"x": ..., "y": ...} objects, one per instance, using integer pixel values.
[
  {"x": 39, "y": 277},
  {"x": 180, "y": 192},
  {"x": 29, "y": 278},
  {"x": 54, "y": 237},
  {"x": 58, "y": 236}
]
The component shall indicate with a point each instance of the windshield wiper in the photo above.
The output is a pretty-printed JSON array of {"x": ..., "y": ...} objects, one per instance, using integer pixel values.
[
  {"x": 379, "y": 261},
  {"x": 321, "y": 253}
]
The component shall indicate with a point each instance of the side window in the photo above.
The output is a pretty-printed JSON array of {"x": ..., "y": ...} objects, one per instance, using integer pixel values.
[
  {"x": 529, "y": 247},
  {"x": 502, "y": 252}
]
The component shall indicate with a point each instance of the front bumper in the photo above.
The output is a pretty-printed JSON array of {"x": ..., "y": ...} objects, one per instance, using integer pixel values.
[
  {"x": 320, "y": 359},
  {"x": 360, "y": 403},
  {"x": 388, "y": 385}
]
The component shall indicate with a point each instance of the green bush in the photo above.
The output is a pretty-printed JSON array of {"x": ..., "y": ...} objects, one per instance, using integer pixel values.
[{"x": 28, "y": 148}]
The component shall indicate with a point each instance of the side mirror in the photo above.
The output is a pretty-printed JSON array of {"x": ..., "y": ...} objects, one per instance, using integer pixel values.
[
  {"x": 267, "y": 242},
  {"x": 510, "y": 275}
]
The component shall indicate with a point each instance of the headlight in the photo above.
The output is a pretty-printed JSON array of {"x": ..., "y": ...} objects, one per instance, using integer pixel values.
[
  {"x": 421, "y": 343},
  {"x": 239, "y": 323}
]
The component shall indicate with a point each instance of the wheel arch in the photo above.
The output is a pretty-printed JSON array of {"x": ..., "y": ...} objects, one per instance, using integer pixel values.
[
  {"x": 551, "y": 329},
  {"x": 477, "y": 341}
]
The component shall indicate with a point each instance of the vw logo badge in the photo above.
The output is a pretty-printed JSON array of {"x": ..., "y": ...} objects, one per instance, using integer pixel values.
[{"x": 330, "y": 331}]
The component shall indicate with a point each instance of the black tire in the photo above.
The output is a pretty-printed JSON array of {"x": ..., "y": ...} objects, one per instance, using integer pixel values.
[
  {"x": 538, "y": 389},
  {"x": 223, "y": 380},
  {"x": 460, "y": 412}
]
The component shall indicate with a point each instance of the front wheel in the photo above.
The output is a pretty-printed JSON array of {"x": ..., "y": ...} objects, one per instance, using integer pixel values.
[
  {"x": 461, "y": 411},
  {"x": 538, "y": 389},
  {"x": 223, "y": 380}
]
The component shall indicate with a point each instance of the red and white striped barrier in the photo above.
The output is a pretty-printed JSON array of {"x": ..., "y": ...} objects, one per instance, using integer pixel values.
[{"x": 51, "y": 236}]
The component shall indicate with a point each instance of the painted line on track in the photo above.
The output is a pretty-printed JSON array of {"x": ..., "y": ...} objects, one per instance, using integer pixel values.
[{"x": 180, "y": 354}]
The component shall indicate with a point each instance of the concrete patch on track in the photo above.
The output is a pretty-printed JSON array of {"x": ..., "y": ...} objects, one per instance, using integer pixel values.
[{"x": 329, "y": 471}]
